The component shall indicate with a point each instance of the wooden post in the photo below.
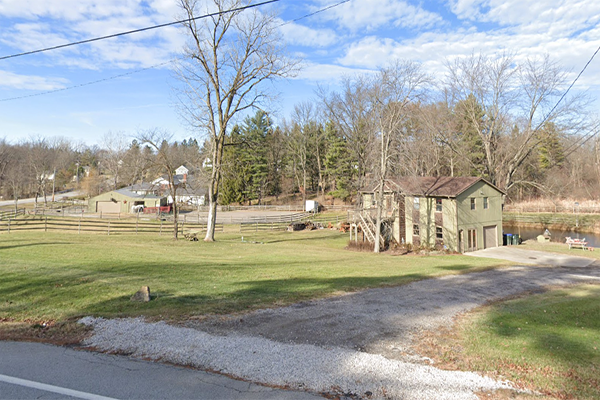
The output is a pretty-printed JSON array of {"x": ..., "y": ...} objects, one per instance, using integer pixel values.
[
  {"x": 108, "y": 227},
  {"x": 9, "y": 225},
  {"x": 160, "y": 231},
  {"x": 137, "y": 218},
  {"x": 79, "y": 228},
  {"x": 46, "y": 225}
]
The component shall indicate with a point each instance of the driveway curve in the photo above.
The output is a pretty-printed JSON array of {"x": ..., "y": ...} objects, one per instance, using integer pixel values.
[{"x": 357, "y": 344}]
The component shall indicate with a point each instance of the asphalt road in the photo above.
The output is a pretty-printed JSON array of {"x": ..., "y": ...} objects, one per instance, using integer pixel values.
[
  {"x": 57, "y": 197},
  {"x": 40, "y": 371}
]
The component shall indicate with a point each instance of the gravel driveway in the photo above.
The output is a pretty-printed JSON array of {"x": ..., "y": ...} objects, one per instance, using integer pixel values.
[{"x": 356, "y": 344}]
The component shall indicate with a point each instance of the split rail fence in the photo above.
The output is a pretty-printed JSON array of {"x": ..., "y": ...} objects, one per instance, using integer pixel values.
[
  {"x": 160, "y": 227},
  {"x": 106, "y": 227}
]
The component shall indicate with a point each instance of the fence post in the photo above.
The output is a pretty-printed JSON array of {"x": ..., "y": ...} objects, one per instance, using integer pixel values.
[
  {"x": 9, "y": 225},
  {"x": 137, "y": 218},
  {"x": 46, "y": 225},
  {"x": 108, "y": 227},
  {"x": 160, "y": 231},
  {"x": 79, "y": 228}
]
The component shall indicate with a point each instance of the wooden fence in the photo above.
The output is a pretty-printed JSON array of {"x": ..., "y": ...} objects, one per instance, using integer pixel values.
[
  {"x": 273, "y": 224},
  {"x": 10, "y": 214},
  {"x": 95, "y": 226}
]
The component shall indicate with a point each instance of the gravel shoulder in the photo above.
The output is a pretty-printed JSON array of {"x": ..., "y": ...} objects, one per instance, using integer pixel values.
[{"x": 357, "y": 344}]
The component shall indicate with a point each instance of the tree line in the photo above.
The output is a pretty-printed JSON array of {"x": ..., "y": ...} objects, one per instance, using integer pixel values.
[
  {"x": 495, "y": 120},
  {"x": 505, "y": 118}
]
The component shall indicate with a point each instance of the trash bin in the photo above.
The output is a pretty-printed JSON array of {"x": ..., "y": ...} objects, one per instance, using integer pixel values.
[
  {"x": 516, "y": 238},
  {"x": 504, "y": 243},
  {"x": 509, "y": 239}
]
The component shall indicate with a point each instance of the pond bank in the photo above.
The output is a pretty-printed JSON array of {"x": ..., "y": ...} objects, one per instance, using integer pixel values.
[
  {"x": 577, "y": 223},
  {"x": 529, "y": 226}
]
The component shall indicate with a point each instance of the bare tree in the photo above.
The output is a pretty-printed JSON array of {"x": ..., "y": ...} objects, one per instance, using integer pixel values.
[
  {"x": 351, "y": 113},
  {"x": 306, "y": 142},
  {"x": 395, "y": 90},
  {"x": 507, "y": 103},
  {"x": 166, "y": 161},
  {"x": 115, "y": 147},
  {"x": 229, "y": 56}
]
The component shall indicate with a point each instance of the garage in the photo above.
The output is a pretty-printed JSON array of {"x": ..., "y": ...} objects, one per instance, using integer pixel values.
[
  {"x": 490, "y": 236},
  {"x": 108, "y": 207}
]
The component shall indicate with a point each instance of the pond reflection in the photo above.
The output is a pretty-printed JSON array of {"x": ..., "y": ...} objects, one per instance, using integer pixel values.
[{"x": 556, "y": 235}]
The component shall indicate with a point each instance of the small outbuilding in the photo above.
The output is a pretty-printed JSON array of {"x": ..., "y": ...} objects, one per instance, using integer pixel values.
[
  {"x": 123, "y": 201},
  {"x": 457, "y": 213}
]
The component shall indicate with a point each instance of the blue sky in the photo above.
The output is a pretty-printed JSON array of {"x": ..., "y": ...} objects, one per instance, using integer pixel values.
[{"x": 358, "y": 36}]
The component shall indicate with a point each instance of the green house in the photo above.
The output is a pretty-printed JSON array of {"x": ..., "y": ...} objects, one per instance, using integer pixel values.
[
  {"x": 123, "y": 201},
  {"x": 457, "y": 213}
]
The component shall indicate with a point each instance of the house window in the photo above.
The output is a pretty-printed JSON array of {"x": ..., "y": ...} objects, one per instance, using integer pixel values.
[
  {"x": 438, "y": 205},
  {"x": 416, "y": 203},
  {"x": 472, "y": 203},
  {"x": 439, "y": 233},
  {"x": 416, "y": 229},
  {"x": 486, "y": 204}
]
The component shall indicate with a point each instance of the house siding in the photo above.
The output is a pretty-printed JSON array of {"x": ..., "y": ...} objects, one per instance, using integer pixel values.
[
  {"x": 455, "y": 217},
  {"x": 479, "y": 218},
  {"x": 125, "y": 202}
]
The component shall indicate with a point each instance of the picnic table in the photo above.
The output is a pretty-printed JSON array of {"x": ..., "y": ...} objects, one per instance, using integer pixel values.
[{"x": 580, "y": 243}]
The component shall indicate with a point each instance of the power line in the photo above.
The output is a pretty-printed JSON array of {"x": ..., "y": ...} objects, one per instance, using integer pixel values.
[
  {"x": 319, "y": 11},
  {"x": 147, "y": 68},
  {"x": 87, "y": 83},
  {"x": 568, "y": 89},
  {"x": 139, "y": 30}
]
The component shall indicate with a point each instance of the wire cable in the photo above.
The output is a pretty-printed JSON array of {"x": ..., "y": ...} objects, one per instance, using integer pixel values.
[
  {"x": 61, "y": 46},
  {"x": 152, "y": 66},
  {"x": 568, "y": 89},
  {"x": 88, "y": 83}
]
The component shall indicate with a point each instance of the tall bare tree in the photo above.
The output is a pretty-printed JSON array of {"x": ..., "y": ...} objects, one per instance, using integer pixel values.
[
  {"x": 229, "y": 56},
  {"x": 350, "y": 111},
  {"x": 393, "y": 92}
]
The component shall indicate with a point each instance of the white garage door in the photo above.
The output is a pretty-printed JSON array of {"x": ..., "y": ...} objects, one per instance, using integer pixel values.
[
  {"x": 490, "y": 236},
  {"x": 108, "y": 207}
]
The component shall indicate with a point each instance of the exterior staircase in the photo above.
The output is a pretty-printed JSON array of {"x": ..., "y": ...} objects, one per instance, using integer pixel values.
[{"x": 368, "y": 225}]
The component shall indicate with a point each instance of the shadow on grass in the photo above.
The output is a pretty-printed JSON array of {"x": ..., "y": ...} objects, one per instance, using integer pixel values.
[{"x": 16, "y": 246}]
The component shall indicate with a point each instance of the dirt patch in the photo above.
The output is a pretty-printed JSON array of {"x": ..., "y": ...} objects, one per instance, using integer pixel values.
[{"x": 68, "y": 333}]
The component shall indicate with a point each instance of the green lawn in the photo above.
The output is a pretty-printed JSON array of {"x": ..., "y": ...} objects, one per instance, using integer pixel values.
[
  {"x": 548, "y": 342},
  {"x": 52, "y": 276},
  {"x": 555, "y": 247}
]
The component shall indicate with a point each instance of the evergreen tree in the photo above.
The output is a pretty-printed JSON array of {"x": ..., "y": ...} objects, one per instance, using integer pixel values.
[
  {"x": 338, "y": 164},
  {"x": 551, "y": 152}
]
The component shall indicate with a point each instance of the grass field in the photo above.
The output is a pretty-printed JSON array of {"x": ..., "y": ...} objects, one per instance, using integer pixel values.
[
  {"x": 561, "y": 248},
  {"x": 51, "y": 276},
  {"x": 548, "y": 343}
]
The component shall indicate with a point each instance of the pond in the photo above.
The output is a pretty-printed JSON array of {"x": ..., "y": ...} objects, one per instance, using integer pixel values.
[{"x": 557, "y": 235}]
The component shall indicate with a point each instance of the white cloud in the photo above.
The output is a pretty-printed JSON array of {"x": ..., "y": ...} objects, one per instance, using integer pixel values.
[
  {"x": 433, "y": 49},
  {"x": 550, "y": 16},
  {"x": 304, "y": 36},
  {"x": 328, "y": 72},
  {"x": 373, "y": 14},
  {"x": 30, "y": 82},
  {"x": 70, "y": 10}
]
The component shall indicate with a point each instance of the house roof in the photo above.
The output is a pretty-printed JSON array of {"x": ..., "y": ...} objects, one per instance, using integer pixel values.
[
  {"x": 141, "y": 186},
  {"x": 442, "y": 186},
  {"x": 129, "y": 193}
]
